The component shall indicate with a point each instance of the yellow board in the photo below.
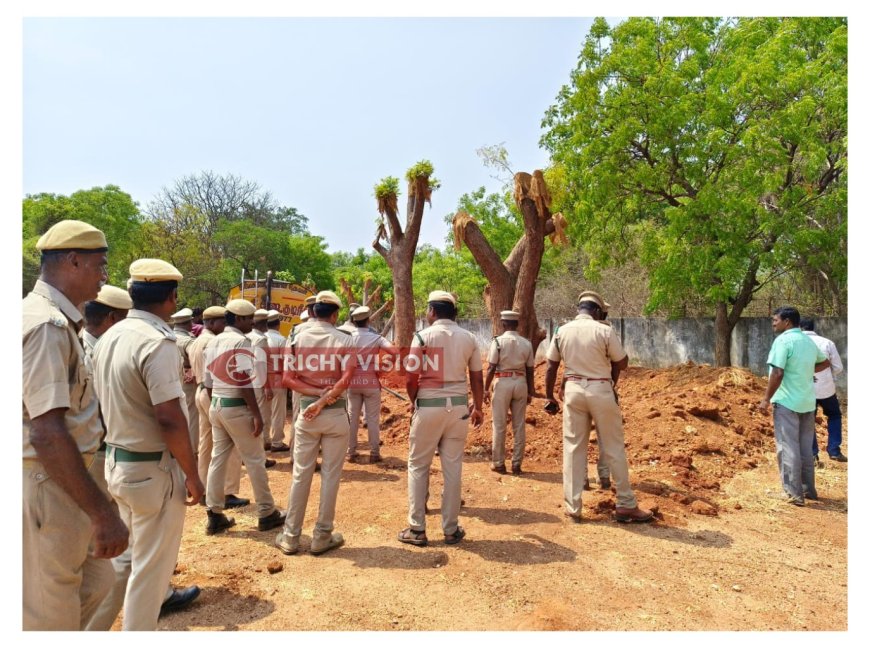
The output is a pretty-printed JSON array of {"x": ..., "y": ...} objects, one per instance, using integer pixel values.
[{"x": 286, "y": 298}]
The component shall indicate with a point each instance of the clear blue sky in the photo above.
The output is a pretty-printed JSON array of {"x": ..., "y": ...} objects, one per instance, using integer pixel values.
[{"x": 314, "y": 110}]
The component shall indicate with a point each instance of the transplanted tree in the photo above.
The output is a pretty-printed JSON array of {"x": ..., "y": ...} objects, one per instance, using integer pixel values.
[
  {"x": 512, "y": 282},
  {"x": 398, "y": 246},
  {"x": 708, "y": 148}
]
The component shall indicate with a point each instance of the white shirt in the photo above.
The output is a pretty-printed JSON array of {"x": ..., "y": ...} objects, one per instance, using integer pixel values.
[{"x": 823, "y": 381}]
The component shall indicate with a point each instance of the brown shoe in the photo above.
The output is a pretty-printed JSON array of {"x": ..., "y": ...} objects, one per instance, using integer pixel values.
[{"x": 635, "y": 514}]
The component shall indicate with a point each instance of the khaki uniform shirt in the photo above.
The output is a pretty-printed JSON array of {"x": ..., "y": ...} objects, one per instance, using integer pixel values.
[
  {"x": 457, "y": 351},
  {"x": 510, "y": 351},
  {"x": 348, "y": 327},
  {"x": 320, "y": 352},
  {"x": 587, "y": 347},
  {"x": 136, "y": 366},
  {"x": 196, "y": 352},
  {"x": 367, "y": 344},
  {"x": 55, "y": 375},
  {"x": 88, "y": 344},
  {"x": 231, "y": 355}
]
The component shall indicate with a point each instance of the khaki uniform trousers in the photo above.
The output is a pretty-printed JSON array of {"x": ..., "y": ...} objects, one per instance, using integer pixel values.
[
  {"x": 372, "y": 400},
  {"x": 190, "y": 390},
  {"x": 442, "y": 429},
  {"x": 329, "y": 433},
  {"x": 206, "y": 444},
  {"x": 234, "y": 427},
  {"x": 150, "y": 497},
  {"x": 107, "y": 612},
  {"x": 509, "y": 394},
  {"x": 278, "y": 414},
  {"x": 266, "y": 415},
  {"x": 63, "y": 585},
  {"x": 585, "y": 402}
]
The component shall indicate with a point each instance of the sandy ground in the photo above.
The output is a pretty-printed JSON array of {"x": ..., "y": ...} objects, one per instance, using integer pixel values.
[{"x": 725, "y": 552}]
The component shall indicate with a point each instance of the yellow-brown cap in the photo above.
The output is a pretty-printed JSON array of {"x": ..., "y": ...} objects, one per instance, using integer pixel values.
[
  {"x": 241, "y": 307},
  {"x": 72, "y": 235},
  {"x": 591, "y": 295},
  {"x": 361, "y": 313},
  {"x": 273, "y": 315},
  {"x": 510, "y": 316},
  {"x": 184, "y": 315},
  {"x": 442, "y": 296},
  {"x": 152, "y": 270},
  {"x": 260, "y": 315},
  {"x": 328, "y": 297},
  {"x": 214, "y": 312},
  {"x": 310, "y": 300},
  {"x": 114, "y": 298}
]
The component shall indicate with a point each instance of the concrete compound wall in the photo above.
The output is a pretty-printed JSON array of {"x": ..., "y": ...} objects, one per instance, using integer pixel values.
[{"x": 658, "y": 343}]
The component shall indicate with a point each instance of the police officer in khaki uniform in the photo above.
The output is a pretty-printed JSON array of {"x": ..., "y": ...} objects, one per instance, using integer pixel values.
[
  {"x": 436, "y": 366},
  {"x": 263, "y": 393},
  {"x": 593, "y": 357},
  {"x": 182, "y": 324},
  {"x": 109, "y": 308},
  {"x": 213, "y": 323},
  {"x": 320, "y": 364},
  {"x": 232, "y": 372},
  {"x": 275, "y": 368},
  {"x": 512, "y": 361},
  {"x": 69, "y": 526},
  {"x": 365, "y": 388},
  {"x": 307, "y": 317},
  {"x": 149, "y": 460},
  {"x": 348, "y": 327}
]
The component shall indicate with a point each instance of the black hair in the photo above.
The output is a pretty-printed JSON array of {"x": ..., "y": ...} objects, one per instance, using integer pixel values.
[
  {"x": 197, "y": 311},
  {"x": 323, "y": 310},
  {"x": 148, "y": 293},
  {"x": 510, "y": 325},
  {"x": 789, "y": 313},
  {"x": 443, "y": 309},
  {"x": 808, "y": 324},
  {"x": 96, "y": 313},
  {"x": 361, "y": 323},
  {"x": 589, "y": 305},
  {"x": 230, "y": 318},
  {"x": 274, "y": 324}
]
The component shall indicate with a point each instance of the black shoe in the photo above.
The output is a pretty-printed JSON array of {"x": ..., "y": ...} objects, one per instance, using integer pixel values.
[
  {"x": 317, "y": 467},
  {"x": 280, "y": 447},
  {"x": 839, "y": 457},
  {"x": 235, "y": 502},
  {"x": 516, "y": 468},
  {"x": 218, "y": 522},
  {"x": 498, "y": 468},
  {"x": 270, "y": 463},
  {"x": 179, "y": 599},
  {"x": 605, "y": 483},
  {"x": 274, "y": 519}
]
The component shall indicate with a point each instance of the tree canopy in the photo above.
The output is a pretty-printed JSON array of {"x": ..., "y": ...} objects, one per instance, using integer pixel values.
[{"x": 713, "y": 150}]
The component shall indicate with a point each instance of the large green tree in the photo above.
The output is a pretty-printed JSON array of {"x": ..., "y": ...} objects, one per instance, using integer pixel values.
[
  {"x": 106, "y": 208},
  {"x": 714, "y": 150}
]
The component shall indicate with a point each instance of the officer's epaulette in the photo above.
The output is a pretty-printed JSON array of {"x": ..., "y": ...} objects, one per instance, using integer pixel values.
[{"x": 57, "y": 317}]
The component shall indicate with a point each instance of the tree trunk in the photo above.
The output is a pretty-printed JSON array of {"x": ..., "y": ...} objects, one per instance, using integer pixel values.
[
  {"x": 512, "y": 283},
  {"x": 723, "y": 336},
  {"x": 403, "y": 300}
]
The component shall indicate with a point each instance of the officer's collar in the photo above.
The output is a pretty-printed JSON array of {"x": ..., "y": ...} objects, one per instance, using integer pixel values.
[
  {"x": 445, "y": 322},
  {"x": 45, "y": 289},
  {"x": 585, "y": 316},
  {"x": 232, "y": 329},
  {"x": 135, "y": 313}
]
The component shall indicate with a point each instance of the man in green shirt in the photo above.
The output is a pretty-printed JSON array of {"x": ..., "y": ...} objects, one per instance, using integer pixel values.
[{"x": 793, "y": 361}]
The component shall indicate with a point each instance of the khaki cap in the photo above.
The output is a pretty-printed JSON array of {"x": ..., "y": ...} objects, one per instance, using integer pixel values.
[
  {"x": 606, "y": 307},
  {"x": 151, "y": 270},
  {"x": 310, "y": 300},
  {"x": 114, "y": 298},
  {"x": 591, "y": 295},
  {"x": 328, "y": 297},
  {"x": 72, "y": 235},
  {"x": 304, "y": 316},
  {"x": 352, "y": 307},
  {"x": 241, "y": 307},
  {"x": 510, "y": 316},
  {"x": 442, "y": 296},
  {"x": 273, "y": 315},
  {"x": 184, "y": 315},
  {"x": 260, "y": 315},
  {"x": 361, "y": 313},
  {"x": 214, "y": 312}
]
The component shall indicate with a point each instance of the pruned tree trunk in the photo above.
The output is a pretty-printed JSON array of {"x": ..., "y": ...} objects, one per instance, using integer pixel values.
[
  {"x": 512, "y": 283},
  {"x": 399, "y": 255}
]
